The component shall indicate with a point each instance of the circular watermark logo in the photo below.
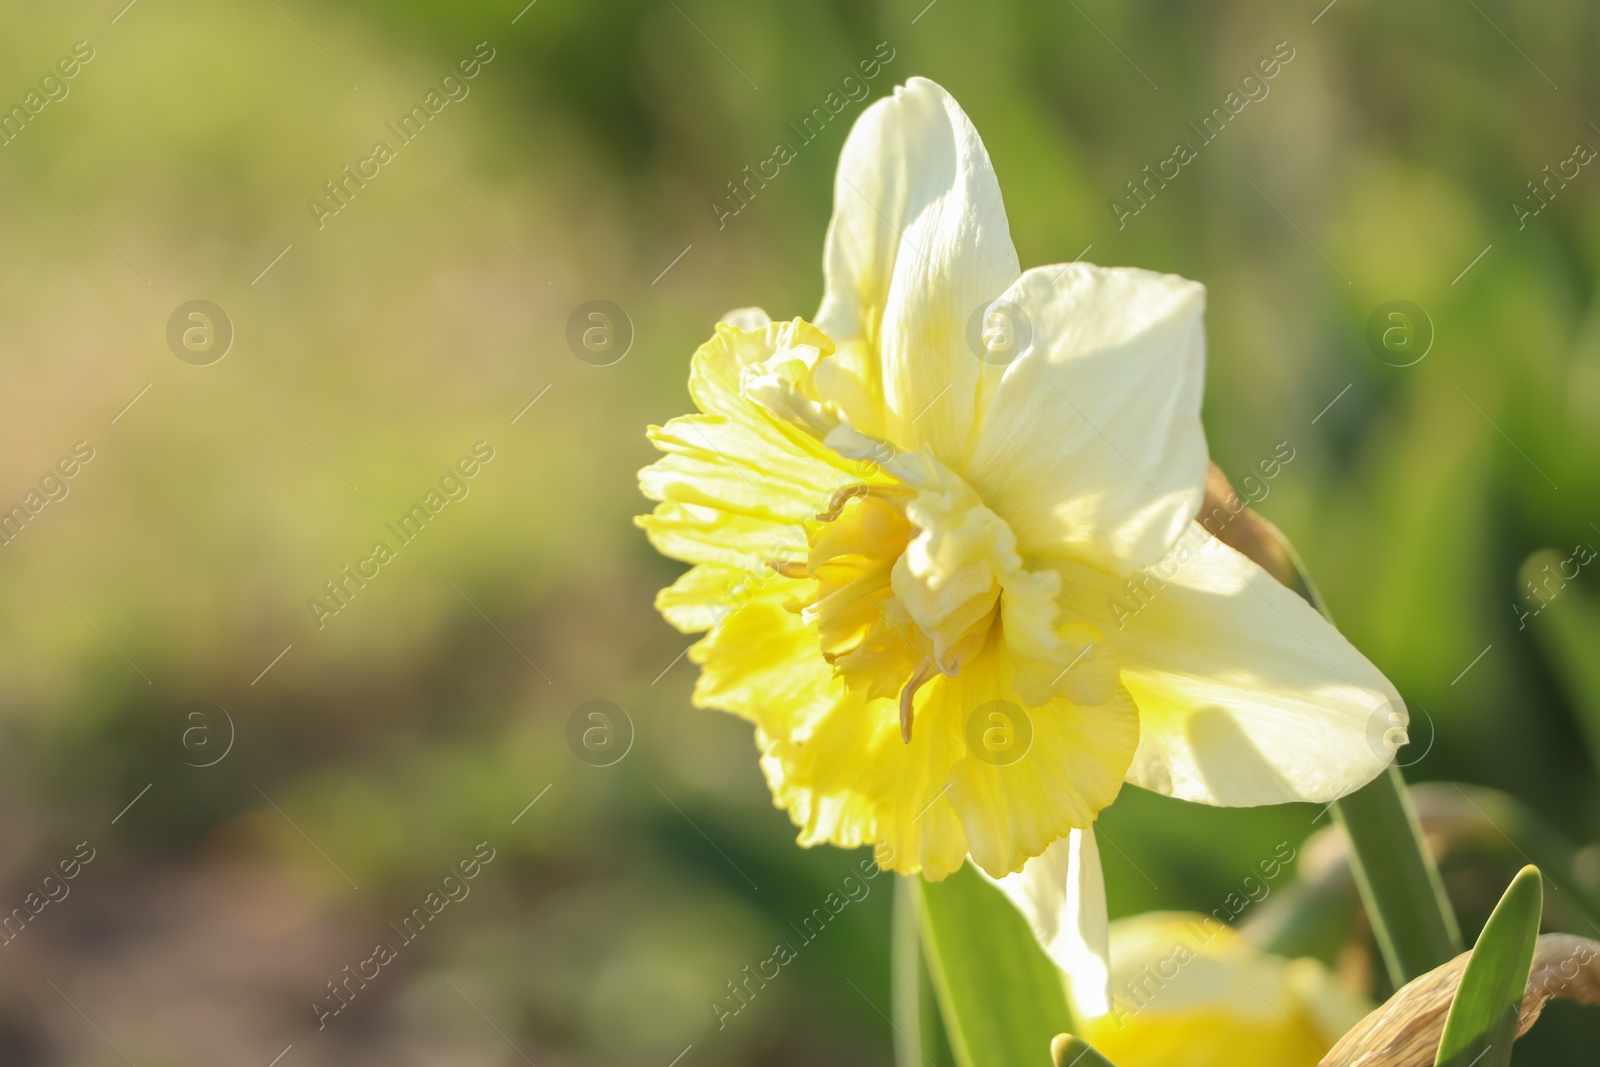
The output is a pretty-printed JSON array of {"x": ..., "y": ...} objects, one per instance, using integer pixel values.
[
  {"x": 999, "y": 331},
  {"x": 599, "y": 332},
  {"x": 1388, "y": 733},
  {"x": 999, "y": 733},
  {"x": 599, "y": 733},
  {"x": 199, "y": 332},
  {"x": 1400, "y": 333},
  {"x": 200, "y": 732}
]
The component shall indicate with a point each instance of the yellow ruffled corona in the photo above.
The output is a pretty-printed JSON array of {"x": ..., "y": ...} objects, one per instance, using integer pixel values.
[{"x": 945, "y": 545}]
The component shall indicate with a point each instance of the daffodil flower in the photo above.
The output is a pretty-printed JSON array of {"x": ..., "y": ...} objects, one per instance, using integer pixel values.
[
  {"x": 944, "y": 540},
  {"x": 1191, "y": 992}
]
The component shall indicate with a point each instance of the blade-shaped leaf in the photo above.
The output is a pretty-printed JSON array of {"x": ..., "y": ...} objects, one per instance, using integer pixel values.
[
  {"x": 919, "y": 1033},
  {"x": 1411, "y": 918},
  {"x": 1482, "y": 1023},
  {"x": 1568, "y": 629},
  {"x": 1001, "y": 997}
]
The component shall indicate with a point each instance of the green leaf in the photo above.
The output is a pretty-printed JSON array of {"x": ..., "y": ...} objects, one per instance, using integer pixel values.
[
  {"x": 919, "y": 1034},
  {"x": 1399, "y": 883},
  {"x": 1482, "y": 1023},
  {"x": 1001, "y": 997},
  {"x": 1568, "y": 629}
]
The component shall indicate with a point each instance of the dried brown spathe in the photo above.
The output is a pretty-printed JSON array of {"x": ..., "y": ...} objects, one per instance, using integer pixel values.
[{"x": 1405, "y": 1031}]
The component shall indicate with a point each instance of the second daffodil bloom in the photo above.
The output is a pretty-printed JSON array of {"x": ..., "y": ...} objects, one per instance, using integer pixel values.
[
  {"x": 1191, "y": 992},
  {"x": 944, "y": 540}
]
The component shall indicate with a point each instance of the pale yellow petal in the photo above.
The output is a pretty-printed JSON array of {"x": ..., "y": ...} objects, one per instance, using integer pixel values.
[
  {"x": 918, "y": 242},
  {"x": 1090, "y": 443},
  {"x": 712, "y": 462},
  {"x": 1062, "y": 895},
  {"x": 849, "y": 779},
  {"x": 736, "y": 486},
  {"x": 834, "y": 760},
  {"x": 764, "y": 663},
  {"x": 714, "y": 370},
  {"x": 1246, "y": 694},
  {"x": 702, "y": 595},
  {"x": 697, "y": 533},
  {"x": 1031, "y": 775}
]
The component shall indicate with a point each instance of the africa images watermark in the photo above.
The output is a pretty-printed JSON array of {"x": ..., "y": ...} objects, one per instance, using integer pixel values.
[
  {"x": 53, "y": 88},
  {"x": 1142, "y": 587},
  {"x": 1136, "y": 994},
  {"x": 1253, "y": 88},
  {"x": 53, "y": 487},
  {"x": 1544, "y": 193},
  {"x": 454, "y": 484},
  {"x": 1552, "y": 578},
  {"x": 810, "y": 128},
  {"x": 786, "y": 556},
  {"x": 453, "y": 887},
  {"x": 53, "y": 889},
  {"x": 742, "y": 990},
  {"x": 342, "y": 189}
]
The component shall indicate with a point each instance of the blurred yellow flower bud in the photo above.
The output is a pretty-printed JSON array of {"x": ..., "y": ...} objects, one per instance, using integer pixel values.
[{"x": 1189, "y": 991}]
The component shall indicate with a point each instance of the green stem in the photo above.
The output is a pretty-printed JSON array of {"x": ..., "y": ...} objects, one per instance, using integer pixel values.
[{"x": 1405, "y": 899}]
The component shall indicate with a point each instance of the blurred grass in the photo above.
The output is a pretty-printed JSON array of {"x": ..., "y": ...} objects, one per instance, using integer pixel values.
[{"x": 411, "y": 327}]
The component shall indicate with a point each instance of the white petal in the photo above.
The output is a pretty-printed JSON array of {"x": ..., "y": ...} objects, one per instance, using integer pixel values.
[
  {"x": 1090, "y": 444},
  {"x": 918, "y": 242},
  {"x": 1062, "y": 894},
  {"x": 1246, "y": 694}
]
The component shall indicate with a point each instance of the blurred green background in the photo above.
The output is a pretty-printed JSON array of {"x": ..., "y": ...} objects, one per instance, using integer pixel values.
[{"x": 425, "y": 316}]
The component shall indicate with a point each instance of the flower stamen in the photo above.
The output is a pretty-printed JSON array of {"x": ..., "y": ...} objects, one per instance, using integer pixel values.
[
  {"x": 789, "y": 568},
  {"x": 840, "y": 498},
  {"x": 923, "y": 674}
]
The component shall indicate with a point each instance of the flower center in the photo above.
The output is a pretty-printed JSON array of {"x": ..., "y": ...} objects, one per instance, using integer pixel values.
[
  {"x": 907, "y": 586},
  {"x": 911, "y": 564}
]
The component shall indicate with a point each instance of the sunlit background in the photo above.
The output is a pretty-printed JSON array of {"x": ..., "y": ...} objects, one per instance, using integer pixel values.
[{"x": 1384, "y": 160}]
